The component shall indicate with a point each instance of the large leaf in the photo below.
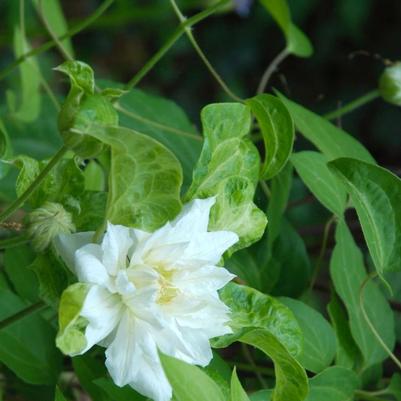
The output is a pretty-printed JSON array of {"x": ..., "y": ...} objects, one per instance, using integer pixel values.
[
  {"x": 163, "y": 120},
  {"x": 375, "y": 194},
  {"x": 29, "y": 103},
  {"x": 328, "y": 189},
  {"x": 27, "y": 346},
  {"x": 332, "y": 141},
  {"x": 277, "y": 129},
  {"x": 348, "y": 273},
  {"x": 334, "y": 384},
  {"x": 229, "y": 169},
  {"x": 144, "y": 182},
  {"x": 319, "y": 338},
  {"x": 253, "y": 309},
  {"x": 189, "y": 382},
  {"x": 291, "y": 379}
]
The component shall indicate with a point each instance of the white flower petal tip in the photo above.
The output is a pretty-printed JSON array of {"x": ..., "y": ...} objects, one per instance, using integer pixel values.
[{"x": 151, "y": 292}]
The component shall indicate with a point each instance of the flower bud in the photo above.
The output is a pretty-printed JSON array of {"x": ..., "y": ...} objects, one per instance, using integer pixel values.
[
  {"x": 48, "y": 221},
  {"x": 390, "y": 84}
]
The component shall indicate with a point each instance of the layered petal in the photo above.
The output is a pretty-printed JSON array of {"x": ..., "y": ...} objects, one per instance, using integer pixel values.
[
  {"x": 132, "y": 358},
  {"x": 67, "y": 244},
  {"x": 103, "y": 311}
]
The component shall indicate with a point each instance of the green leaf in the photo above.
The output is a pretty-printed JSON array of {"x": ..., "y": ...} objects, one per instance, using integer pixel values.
[
  {"x": 59, "y": 396},
  {"x": 375, "y": 194},
  {"x": 280, "y": 11},
  {"x": 144, "y": 182},
  {"x": 291, "y": 379},
  {"x": 262, "y": 395},
  {"x": 53, "y": 14},
  {"x": 237, "y": 391},
  {"x": 16, "y": 264},
  {"x": 394, "y": 388},
  {"x": 348, "y": 354},
  {"x": 5, "y": 150},
  {"x": 51, "y": 276},
  {"x": 164, "y": 121},
  {"x": 91, "y": 210},
  {"x": 326, "y": 187},
  {"x": 277, "y": 129},
  {"x": 29, "y": 104},
  {"x": 348, "y": 273},
  {"x": 71, "y": 335},
  {"x": 253, "y": 309},
  {"x": 332, "y": 141},
  {"x": 319, "y": 338},
  {"x": 116, "y": 393},
  {"x": 27, "y": 346},
  {"x": 229, "y": 168},
  {"x": 298, "y": 43},
  {"x": 288, "y": 267},
  {"x": 334, "y": 384},
  {"x": 80, "y": 74},
  {"x": 189, "y": 382}
]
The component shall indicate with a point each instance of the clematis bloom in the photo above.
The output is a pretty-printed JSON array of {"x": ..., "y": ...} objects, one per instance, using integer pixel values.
[{"x": 140, "y": 293}]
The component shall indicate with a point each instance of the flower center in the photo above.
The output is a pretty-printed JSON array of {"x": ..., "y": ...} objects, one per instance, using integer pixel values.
[{"x": 167, "y": 291}]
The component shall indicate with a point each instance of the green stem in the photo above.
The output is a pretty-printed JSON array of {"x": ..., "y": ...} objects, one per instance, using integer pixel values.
[
  {"x": 355, "y": 104},
  {"x": 249, "y": 358},
  {"x": 265, "y": 188},
  {"x": 202, "y": 55},
  {"x": 21, "y": 314},
  {"x": 272, "y": 67},
  {"x": 13, "y": 241},
  {"x": 322, "y": 251},
  {"x": 48, "y": 45},
  {"x": 369, "y": 322},
  {"x": 249, "y": 368},
  {"x": 366, "y": 396},
  {"x": 171, "y": 41},
  {"x": 20, "y": 201}
]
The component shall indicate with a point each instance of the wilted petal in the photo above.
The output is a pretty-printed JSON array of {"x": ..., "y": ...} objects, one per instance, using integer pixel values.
[
  {"x": 115, "y": 245},
  {"x": 132, "y": 359},
  {"x": 67, "y": 244},
  {"x": 103, "y": 312}
]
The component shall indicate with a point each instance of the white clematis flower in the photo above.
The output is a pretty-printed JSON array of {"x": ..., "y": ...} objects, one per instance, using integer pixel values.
[{"x": 148, "y": 292}]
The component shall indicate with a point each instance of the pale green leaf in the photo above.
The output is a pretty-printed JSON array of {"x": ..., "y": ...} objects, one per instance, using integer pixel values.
[
  {"x": 189, "y": 382},
  {"x": 332, "y": 141},
  {"x": 319, "y": 339},
  {"x": 348, "y": 273},
  {"x": 29, "y": 103},
  {"x": 280, "y": 11},
  {"x": 237, "y": 391},
  {"x": 334, "y": 384},
  {"x": 328, "y": 189},
  {"x": 277, "y": 129},
  {"x": 144, "y": 181},
  {"x": 375, "y": 194},
  {"x": 229, "y": 168},
  {"x": 298, "y": 43},
  {"x": 291, "y": 379},
  {"x": 59, "y": 396},
  {"x": 253, "y": 309}
]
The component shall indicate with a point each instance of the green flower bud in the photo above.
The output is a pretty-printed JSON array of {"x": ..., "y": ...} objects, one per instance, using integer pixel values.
[
  {"x": 84, "y": 110},
  {"x": 390, "y": 84},
  {"x": 48, "y": 221}
]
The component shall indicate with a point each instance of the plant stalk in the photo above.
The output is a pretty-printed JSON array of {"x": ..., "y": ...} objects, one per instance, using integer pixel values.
[{"x": 21, "y": 314}]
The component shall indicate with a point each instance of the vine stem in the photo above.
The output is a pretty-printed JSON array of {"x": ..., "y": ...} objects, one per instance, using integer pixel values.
[
  {"x": 48, "y": 45},
  {"x": 202, "y": 55},
  {"x": 355, "y": 104},
  {"x": 19, "y": 201},
  {"x": 21, "y": 314},
  {"x": 322, "y": 251},
  {"x": 171, "y": 41},
  {"x": 13, "y": 241},
  {"x": 369, "y": 322},
  {"x": 271, "y": 68}
]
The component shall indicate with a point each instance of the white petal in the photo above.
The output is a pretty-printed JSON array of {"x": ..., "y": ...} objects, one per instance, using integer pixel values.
[
  {"x": 132, "y": 359},
  {"x": 103, "y": 312},
  {"x": 210, "y": 246},
  {"x": 115, "y": 245},
  {"x": 89, "y": 266},
  {"x": 203, "y": 280},
  {"x": 67, "y": 244}
]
